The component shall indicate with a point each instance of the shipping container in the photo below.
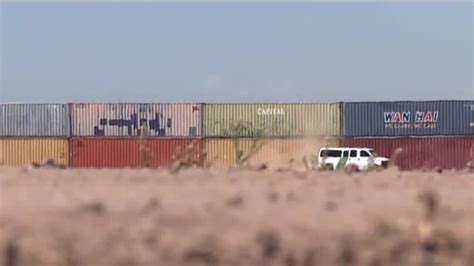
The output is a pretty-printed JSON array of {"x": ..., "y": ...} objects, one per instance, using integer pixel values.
[
  {"x": 424, "y": 118},
  {"x": 421, "y": 152},
  {"x": 129, "y": 119},
  {"x": 25, "y": 151},
  {"x": 278, "y": 119},
  {"x": 274, "y": 152},
  {"x": 132, "y": 152},
  {"x": 34, "y": 120}
]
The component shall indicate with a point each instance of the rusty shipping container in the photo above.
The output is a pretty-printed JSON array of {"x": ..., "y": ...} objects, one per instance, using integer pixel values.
[
  {"x": 421, "y": 152},
  {"x": 131, "y": 152},
  {"x": 25, "y": 151},
  {"x": 129, "y": 119},
  {"x": 274, "y": 152},
  {"x": 34, "y": 120},
  {"x": 278, "y": 119},
  {"x": 421, "y": 118}
]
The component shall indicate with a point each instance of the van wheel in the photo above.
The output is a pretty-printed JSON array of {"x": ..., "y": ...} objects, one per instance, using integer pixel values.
[
  {"x": 328, "y": 167},
  {"x": 351, "y": 168}
]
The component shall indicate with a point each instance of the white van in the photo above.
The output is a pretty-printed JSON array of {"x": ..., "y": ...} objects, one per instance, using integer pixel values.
[{"x": 339, "y": 158}]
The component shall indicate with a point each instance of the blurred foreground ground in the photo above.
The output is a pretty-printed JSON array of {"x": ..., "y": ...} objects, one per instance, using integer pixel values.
[{"x": 251, "y": 218}]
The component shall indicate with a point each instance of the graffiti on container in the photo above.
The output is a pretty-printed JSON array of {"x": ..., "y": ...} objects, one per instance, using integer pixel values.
[
  {"x": 270, "y": 111},
  {"x": 423, "y": 119},
  {"x": 158, "y": 126}
]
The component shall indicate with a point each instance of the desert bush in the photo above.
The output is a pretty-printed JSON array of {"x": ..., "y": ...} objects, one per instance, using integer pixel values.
[
  {"x": 238, "y": 129},
  {"x": 144, "y": 148}
]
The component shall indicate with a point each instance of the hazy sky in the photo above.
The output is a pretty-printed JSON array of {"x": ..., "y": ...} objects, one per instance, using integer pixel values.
[{"x": 153, "y": 52}]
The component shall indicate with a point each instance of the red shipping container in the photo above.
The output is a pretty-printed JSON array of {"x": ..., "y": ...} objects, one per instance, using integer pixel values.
[
  {"x": 126, "y": 152},
  {"x": 421, "y": 152}
]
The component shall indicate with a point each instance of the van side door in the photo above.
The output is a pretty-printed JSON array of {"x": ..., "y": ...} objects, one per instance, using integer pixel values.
[
  {"x": 343, "y": 161},
  {"x": 353, "y": 157},
  {"x": 365, "y": 159}
]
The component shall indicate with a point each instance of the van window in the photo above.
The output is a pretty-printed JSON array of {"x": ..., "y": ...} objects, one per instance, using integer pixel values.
[
  {"x": 345, "y": 154},
  {"x": 331, "y": 153},
  {"x": 364, "y": 154},
  {"x": 353, "y": 153}
]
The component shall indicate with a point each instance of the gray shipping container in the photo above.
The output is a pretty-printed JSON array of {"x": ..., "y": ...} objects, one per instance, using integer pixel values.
[
  {"x": 129, "y": 119},
  {"x": 34, "y": 120},
  {"x": 423, "y": 118}
]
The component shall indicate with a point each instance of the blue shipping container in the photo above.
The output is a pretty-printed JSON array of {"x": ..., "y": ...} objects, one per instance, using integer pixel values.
[
  {"x": 34, "y": 120},
  {"x": 423, "y": 118}
]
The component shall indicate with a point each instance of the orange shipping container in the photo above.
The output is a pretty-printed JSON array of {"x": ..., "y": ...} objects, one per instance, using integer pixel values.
[
  {"x": 24, "y": 151},
  {"x": 275, "y": 152}
]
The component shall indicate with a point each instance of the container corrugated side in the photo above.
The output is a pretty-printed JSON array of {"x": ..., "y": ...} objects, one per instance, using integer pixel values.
[
  {"x": 128, "y": 119},
  {"x": 421, "y": 152},
  {"x": 267, "y": 119},
  {"x": 34, "y": 120},
  {"x": 129, "y": 152},
  {"x": 25, "y": 151},
  {"x": 424, "y": 118},
  {"x": 274, "y": 152}
]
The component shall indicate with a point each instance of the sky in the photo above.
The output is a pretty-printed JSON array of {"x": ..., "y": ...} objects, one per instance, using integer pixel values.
[{"x": 235, "y": 52}]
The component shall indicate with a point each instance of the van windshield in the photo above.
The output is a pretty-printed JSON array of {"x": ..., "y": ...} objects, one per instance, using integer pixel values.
[{"x": 373, "y": 153}]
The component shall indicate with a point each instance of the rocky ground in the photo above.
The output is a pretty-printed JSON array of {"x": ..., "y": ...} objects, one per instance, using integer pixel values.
[{"x": 65, "y": 217}]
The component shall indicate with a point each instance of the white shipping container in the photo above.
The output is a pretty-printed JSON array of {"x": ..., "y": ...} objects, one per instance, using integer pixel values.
[{"x": 129, "y": 119}]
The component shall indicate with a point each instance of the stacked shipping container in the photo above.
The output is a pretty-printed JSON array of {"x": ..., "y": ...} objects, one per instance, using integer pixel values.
[
  {"x": 108, "y": 134},
  {"x": 34, "y": 133},
  {"x": 277, "y": 134},
  {"x": 431, "y": 134}
]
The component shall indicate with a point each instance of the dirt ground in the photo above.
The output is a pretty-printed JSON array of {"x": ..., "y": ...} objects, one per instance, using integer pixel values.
[{"x": 55, "y": 217}]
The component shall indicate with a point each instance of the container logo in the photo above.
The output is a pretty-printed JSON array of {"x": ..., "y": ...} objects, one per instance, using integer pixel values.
[
  {"x": 270, "y": 111},
  {"x": 422, "y": 119}
]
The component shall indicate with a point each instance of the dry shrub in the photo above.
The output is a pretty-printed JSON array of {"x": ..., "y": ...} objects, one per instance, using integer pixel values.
[
  {"x": 270, "y": 243},
  {"x": 187, "y": 158},
  {"x": 395, "y": 158},
  {"x": 306, "y": 163},
  {"x": 48, "y": 163},
  {"x": 235, "y": 201},
  {"x": 348, "y": 252},
  {"x": 470, "y": 166},
  {"x": 11, "y": 254},
  {"x": 144, "y": 148},
  {"x": 432, "y": 239},
  {"x": 235, "y": 131},
  {"x": 350, "y": 169}
]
